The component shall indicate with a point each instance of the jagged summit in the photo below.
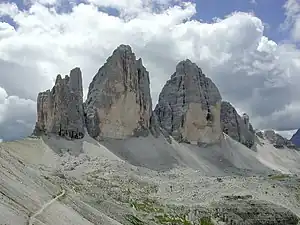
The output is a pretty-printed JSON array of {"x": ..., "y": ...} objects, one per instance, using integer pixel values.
[
  {"x": 119, "y": 104},
  {"x": 235, "y": 126},
  {"x": 189, "y": 106},
  {"x": 60, "y": 111},
  {"x": 276, "y": 139},
  {"x": 123, "y": 48},
  {"x": 184, "y": 65}
]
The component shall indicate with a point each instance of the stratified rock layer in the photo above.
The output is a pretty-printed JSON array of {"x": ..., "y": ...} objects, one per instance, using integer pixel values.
[
  {"x": 189, "y": 106},
  {"x": 60, "y": 111},
  {"x": 119, "y": 104},
  {"x": 235, "y": 126}
]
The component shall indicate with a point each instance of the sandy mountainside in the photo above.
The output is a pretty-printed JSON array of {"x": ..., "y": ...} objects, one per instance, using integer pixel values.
[{"x": 146, "y": 180}]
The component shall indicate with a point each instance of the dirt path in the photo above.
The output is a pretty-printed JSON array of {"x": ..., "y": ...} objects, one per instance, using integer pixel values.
[{"x": 32, "y": 218}]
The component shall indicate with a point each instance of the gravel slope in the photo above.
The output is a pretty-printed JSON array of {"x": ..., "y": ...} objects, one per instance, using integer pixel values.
[{"x": 101, "y": 180}]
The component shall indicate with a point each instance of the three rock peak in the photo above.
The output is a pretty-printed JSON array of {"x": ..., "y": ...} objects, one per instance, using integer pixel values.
[{"x": 119, "y": 105}]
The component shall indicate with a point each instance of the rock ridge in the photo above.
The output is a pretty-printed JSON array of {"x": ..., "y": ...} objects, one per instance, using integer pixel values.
[
  {"x": 276, "y": 139},
  {"x": 119, "y": 105}
]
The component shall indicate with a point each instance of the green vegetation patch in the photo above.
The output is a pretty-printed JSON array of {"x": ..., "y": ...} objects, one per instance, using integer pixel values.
[
  {"x": 206, "y": 221},
  {"x": 172, "y": 219},
  {"x": 147, "y": 205},
  {"x": 151, "y": 210}
]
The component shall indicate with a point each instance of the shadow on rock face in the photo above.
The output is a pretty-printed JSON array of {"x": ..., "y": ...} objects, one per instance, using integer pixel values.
[{"x": 61, "y": 145}]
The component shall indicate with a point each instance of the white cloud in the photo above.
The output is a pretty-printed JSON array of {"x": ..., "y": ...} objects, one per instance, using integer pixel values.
[
  {"x": 287, "y": 134},
  {"x": 8, "y": 9},
  {"x": 256, "y": 74},
  {"x": 131, "y": 8},
  {"x": 16, "y": 116},
  {"x": 43, "y": 2},
  {"x": 292, "y": 21}
]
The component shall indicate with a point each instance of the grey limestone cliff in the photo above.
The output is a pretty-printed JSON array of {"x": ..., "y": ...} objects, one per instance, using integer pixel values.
[
  {"x": 189, "y": 106},
  {"x": 235, "y": 126},
  {"x": 277, "y": 140},
  {"x": 60, "y": 110},
  {"x": 119, "y": 104}
]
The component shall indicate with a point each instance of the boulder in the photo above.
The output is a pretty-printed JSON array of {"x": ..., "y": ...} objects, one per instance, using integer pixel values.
[
  {"x": 235, "y": 126},
  {"x": 119, "y": 104},
  {"x": 60, "y": 110},
  {"x": 189, "y": 106}
]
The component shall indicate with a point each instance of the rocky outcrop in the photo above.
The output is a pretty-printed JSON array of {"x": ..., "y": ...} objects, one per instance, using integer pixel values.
[
  {"x": 60, "y": 110},
  {"x": 235, "y": 126},
  {"x": 189, "y": 106},
  {"x": 277, "y": 140},
  {"x": 296, "y": 138},
  {"x": 119, "y": 104}
]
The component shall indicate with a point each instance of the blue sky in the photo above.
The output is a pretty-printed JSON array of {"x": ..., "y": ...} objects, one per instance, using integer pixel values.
[{"x": 270, "y": 12}]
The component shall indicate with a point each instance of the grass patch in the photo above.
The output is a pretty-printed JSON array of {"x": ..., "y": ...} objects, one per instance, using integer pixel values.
[
  {"x": 170, "y": 219},
  {"x": 151, "y": 210},
  {"x": 147, "y": 205},
  {"x": 206, "y": 221}
]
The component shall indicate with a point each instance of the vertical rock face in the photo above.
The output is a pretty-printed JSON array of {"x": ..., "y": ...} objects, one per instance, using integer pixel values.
[
  {"x": 235, "y": 126},
  {"x": 119, "y": 104},
  {"x": 189, "y": 106},
  {"x": 60, "y": 110}
]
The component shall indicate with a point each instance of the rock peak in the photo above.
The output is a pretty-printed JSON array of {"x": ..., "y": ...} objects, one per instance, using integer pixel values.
[
  {"x": 236, "y": 126},
  {"x": 187, "y": 68},
  {"x": 186, "y": 62},
  {"x": 60, "y": 111},
  {"x": 123, "y": 48},
  {"x": 189, "y": 106},
  {"x": 119, "y": 104}
]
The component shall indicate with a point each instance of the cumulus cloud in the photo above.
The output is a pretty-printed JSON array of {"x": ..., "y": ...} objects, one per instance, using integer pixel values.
[
  {"x": 256, "y": 74},
  {"x": 292, "y": 22},
  {"x": 16, "y": 116}
]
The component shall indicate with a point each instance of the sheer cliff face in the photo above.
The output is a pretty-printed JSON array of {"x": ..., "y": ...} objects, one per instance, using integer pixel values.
[
  {"x": 60, "y": 110},
  {"x": 119, "y": 103},
  {"x": 189, "y": 106},
  {"x": 235, "y": 126}
]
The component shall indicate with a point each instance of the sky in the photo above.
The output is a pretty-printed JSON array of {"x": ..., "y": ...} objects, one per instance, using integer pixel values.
[{"x": 250, "y": 49}]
